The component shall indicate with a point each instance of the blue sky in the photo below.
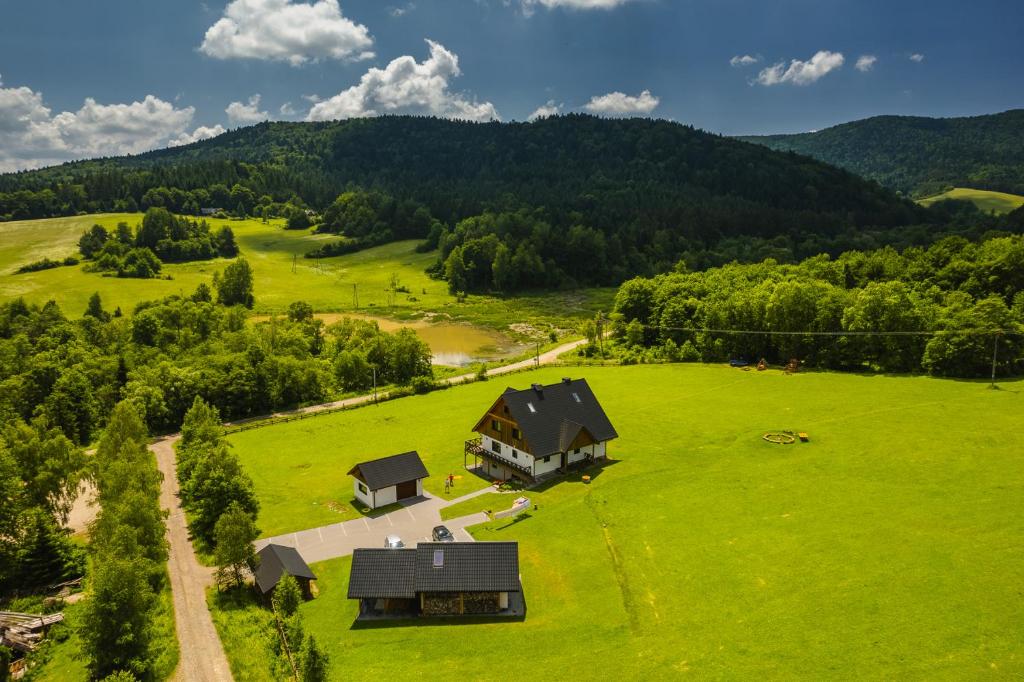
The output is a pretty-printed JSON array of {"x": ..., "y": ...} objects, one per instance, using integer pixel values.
[{"x": 111, "y": 76}]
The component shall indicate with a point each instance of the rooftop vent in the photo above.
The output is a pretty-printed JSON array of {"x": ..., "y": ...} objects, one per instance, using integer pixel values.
[
  {"x": 438, "y": 558},
  {"x": 538, "y": 388},
  {"x": 566, "y": 380}
]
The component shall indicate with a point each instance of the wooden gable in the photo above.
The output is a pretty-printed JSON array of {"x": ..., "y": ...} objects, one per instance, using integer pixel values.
[{"x": 507, "y": 430}]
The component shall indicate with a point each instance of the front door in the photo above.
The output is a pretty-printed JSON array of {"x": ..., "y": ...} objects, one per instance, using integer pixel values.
[{"x": 406, "y": 490}]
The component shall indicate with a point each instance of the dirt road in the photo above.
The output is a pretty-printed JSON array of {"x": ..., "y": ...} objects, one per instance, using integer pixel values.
[{"x": 202, "y": 656}]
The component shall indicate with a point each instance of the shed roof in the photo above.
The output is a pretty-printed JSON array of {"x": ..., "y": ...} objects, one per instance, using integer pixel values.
[
  {"x": 383, "y": 574},
  {"x": 275, "y": 561},
  {"x": 435, "y": 567},
  {"x": 551, "y": 417},
  {"x": 389, "y": 471}
]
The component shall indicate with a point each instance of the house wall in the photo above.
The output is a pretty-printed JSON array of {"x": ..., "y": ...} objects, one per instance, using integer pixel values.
[
  {"x": 553, "y": 463},
  {"x": 419, "y": 487},
  {"x": 506, "y": 427},
  {"x": 523, "y": 458},
  {"x": 385, "y": 496},
  {"x": 367, "y": 497}
]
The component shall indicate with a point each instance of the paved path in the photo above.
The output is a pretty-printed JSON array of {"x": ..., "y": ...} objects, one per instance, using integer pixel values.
[
  {"x": 202, "y": 656},
  {"x": 413, "y": 523}
]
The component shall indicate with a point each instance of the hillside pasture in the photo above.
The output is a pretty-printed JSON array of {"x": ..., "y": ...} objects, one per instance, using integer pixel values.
[
  {"x": 887, "y": 546},
  {"x": 989, "y": 202}
]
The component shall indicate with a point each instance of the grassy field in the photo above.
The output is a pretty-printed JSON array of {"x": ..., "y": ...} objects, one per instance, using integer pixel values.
[
  {"x": 274, "y": 253},
  {"x": 889, "y": 546},
  {"x": 997, "y": 202}
]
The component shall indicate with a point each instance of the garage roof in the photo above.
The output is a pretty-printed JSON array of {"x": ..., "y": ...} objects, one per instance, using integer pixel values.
[
  {"x": 275, "y": 561},
  {"x": 389, "y": 471}
]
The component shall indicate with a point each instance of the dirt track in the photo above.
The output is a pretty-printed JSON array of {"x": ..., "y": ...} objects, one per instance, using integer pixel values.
[{"x": 202, "y": 656}]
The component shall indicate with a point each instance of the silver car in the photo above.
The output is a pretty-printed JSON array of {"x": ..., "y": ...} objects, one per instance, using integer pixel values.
[{"x": 393, "y": 542}]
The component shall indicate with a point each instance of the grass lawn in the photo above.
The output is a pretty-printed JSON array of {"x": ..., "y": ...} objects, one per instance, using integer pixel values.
[
  {"x": 888, "y": 546},
  {"x": 998, "y": 202},
  {"x": 274, "y": 252}
]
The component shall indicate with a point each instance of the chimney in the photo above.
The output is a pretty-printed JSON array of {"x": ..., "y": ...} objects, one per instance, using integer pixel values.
[
  {"x": 538, "y": 388},
  {"x": 566, "y": 380}
]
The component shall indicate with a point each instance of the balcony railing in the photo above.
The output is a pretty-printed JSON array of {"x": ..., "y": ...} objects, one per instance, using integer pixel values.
[{"x": 475, "y": 448}]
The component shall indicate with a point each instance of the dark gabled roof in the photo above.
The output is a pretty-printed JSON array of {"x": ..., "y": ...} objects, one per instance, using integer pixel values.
[
  {"x": 551, "y": 417},
  {"x": 388, "y": 471},
  {"x": 383, "y": 574},
  {"x": 464, "y": 567},
  {"x": 468, "y": 567},
  {"x": 275, "y": 561}
]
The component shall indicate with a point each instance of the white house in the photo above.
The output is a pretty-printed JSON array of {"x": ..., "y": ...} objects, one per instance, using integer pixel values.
[
  {"x": 384, "y": 481},
  {"x": 540, "y": 430}
]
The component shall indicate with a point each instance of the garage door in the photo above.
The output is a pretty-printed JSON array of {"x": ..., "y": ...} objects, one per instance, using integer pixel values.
[{"x": 407, "y": 489}]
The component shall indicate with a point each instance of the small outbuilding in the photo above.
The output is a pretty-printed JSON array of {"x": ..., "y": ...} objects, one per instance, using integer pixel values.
[
  {"x": 275, "y": 561},
  {"x": 384, "y": 481}
]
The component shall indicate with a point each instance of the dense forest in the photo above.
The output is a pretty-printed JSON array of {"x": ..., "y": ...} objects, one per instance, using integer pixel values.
[
  {"x": 937, "y": 310},
  {"x": 921, "y": 156},
  {"x": 650, "y": 190}
]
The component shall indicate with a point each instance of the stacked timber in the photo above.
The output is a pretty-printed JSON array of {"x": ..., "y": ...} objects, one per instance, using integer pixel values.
[{"x": 24, "y": 631}]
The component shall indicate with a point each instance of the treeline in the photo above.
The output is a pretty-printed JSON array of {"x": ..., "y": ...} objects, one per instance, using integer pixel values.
[
  {"x": 119, "y": 625},
  {"x": 372, "y": 218},
  {"x": 165, "y": 353},
  {"x": 160, "y": 238},
  {"x": 968, "y": 293},
  {"x": 921, "y": 156}
]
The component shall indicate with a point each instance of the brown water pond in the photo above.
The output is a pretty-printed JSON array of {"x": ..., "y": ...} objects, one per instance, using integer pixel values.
[{"x": 452, "y": 344}]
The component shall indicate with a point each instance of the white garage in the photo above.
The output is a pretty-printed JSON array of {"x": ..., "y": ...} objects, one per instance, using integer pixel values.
[{"x": 380, "y": 482}]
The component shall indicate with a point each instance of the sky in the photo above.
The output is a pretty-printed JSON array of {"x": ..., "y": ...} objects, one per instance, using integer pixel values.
[{"x": 109, "y": 77}]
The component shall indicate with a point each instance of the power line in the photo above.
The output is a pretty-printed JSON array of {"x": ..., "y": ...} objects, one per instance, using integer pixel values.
[{"x": 770, "y": 332}]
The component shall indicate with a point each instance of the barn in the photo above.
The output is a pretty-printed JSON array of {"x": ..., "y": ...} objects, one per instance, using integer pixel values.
[
  {"x": 384, "y": 481},
  {"x": 275, "y": 561}
]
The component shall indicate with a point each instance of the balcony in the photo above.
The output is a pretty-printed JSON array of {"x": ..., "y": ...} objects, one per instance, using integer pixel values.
[{"x": 478, "y": 451}]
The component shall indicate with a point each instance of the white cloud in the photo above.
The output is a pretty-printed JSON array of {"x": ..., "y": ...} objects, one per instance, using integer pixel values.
[
  {"x": 744, "y": 60},
  {"x": 866, "y": 62},
  {"x": 621, "y": 104},
  {"x": 32, "y": 136},
  {"x": 282, "y": 30},
  {"x": 546, "y": 110},
  {"x": 403, "y": 10},
  {"x": 246, "y": 113},
  {"x": 800, "y": 72},
  {"x": 917, "y": 57},
  {"x": 287, "y": 109},
  {"x": 200, "y": 133},
  {"x": 407, "y": 87}
]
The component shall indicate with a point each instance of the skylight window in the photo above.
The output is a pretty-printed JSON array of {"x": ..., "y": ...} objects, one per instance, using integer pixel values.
[
  {"x": 532, "y": 408},
  {"x": 576, "y": 397},
  {"x": 438, "y": 558}
]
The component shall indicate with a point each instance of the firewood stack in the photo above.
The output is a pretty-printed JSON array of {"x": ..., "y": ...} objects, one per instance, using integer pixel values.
[{"x": 24, "y": 631}]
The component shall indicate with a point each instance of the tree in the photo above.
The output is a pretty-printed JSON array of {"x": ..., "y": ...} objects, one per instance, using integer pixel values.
[
  {"x": 95, "y": 308},
  {"x": 156, "y": 225},
  {"x": 225, "y": 242},
  {"x": 114, "y": 626},
  {"x": 313, "y": 661},
  {"x": 92, "y": 241},
  {"x": 234, "y": 534},
  {"x": 235, "y": 286},
  {"x": 300, "y": 311},
  {"x": 287, "y": 596},
  {"x": 217, "y": 481},
  {"x": 71, "y": 407}
]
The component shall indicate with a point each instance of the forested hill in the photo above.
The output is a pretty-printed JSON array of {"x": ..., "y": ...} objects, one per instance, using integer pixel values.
[
  {"x": 641, "y": 192},
  {"x": 921, "y": 156}
]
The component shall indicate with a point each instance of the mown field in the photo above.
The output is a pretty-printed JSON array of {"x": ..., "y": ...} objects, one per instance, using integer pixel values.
[
  {"x": 282, "y": 276},
  {"x": 889, "y": 546},
  {"x": 997, "y": 202}
]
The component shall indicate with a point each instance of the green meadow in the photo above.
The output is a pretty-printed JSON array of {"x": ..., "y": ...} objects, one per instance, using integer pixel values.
[
  {"x": 887, "y": 546},
  {"x": 990, "y": 202},
  {"x": 282, "y": 276}
]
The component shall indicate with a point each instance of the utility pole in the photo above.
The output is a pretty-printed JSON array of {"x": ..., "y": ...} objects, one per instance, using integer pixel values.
[
  {"x": 374, "y": 385},
  {"x": 995, "y": 349},
  {"x": 355, "y": 296},
  {"x": 536, "y": 358}
]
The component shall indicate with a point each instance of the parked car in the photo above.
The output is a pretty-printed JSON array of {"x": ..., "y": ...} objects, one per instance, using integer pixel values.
[
  {"x": 442, "y": 534},
  {"x": 393, "y": 542}
]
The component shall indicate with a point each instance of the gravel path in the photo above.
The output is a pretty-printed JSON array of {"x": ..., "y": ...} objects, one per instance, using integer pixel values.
[{"x": 202, "y": 656}]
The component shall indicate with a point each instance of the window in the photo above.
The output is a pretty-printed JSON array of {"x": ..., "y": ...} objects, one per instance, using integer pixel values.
[
  {"x": 576, "y": 451},
  {"x": 515, "y": 455},
  {"x": 547, "y": 459},
  {"x": 496, "y": 425},
  {"x": 517, "y": 434},
  {"x": 576, "y": 397},
  {"x": 362, "y": 488},
  {"x": 531, "y": 407},
  {"x": 496, "y": 446}
]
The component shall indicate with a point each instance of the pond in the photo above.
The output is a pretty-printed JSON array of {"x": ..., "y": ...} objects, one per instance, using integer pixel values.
[{"x": 452, "y": 344}]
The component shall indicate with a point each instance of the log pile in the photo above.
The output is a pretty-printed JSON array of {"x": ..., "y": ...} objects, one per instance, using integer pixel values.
[{"x": 23, "y": 631}]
